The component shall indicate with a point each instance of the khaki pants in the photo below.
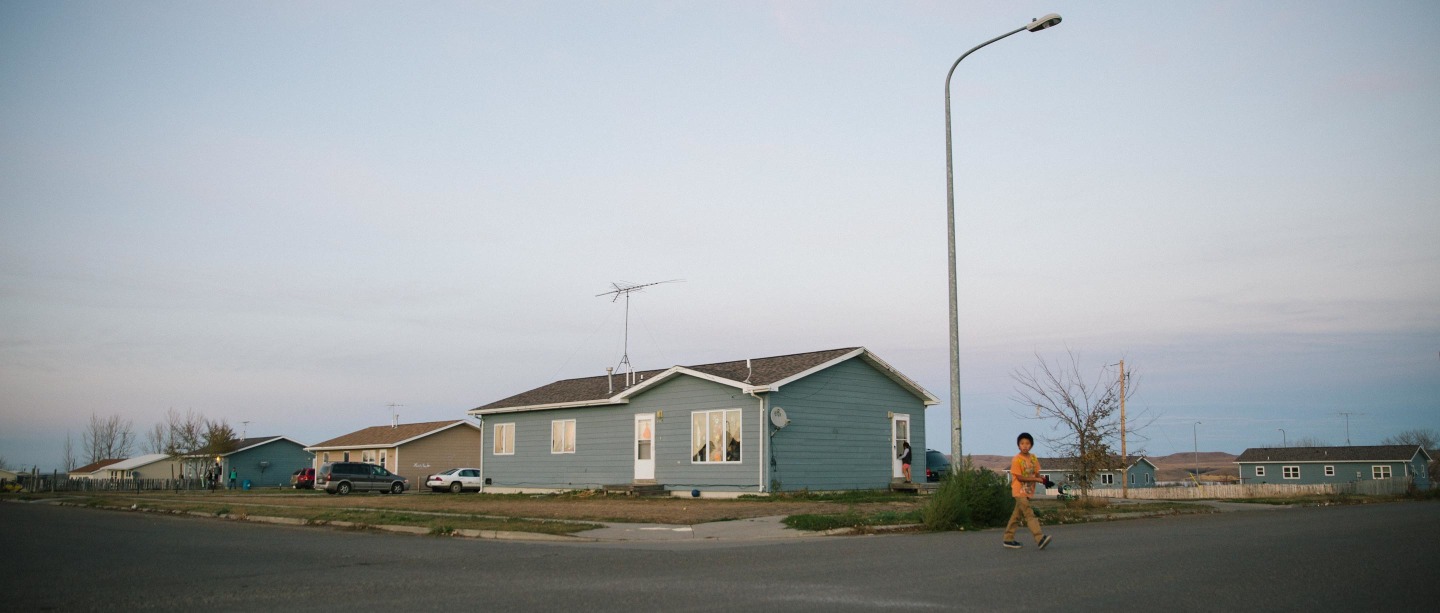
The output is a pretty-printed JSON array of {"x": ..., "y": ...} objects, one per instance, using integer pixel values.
[{"x": 1022, "y": 507}]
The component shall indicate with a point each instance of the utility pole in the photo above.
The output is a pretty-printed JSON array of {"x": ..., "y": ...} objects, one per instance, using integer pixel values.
[{"x": 1124, "y": 457}]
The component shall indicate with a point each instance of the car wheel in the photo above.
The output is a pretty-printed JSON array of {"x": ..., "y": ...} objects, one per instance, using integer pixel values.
[
  {"x": 397, "y": 488},
  {"x": 455, "y": 487},
  {"x": 342, "y": 489}
]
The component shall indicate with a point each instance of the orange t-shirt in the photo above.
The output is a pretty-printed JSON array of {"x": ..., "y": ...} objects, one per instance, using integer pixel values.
[{"x": 1023, "y": 465}]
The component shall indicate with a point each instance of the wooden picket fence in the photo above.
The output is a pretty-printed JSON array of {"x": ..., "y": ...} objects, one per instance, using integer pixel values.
[{"x": 1376, "y": 487}]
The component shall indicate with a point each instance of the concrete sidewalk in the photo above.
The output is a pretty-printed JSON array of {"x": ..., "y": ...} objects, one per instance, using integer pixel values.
[{"x": 753, "y": 529}]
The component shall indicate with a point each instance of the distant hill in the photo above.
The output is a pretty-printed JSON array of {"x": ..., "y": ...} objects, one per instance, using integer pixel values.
[{"x": 1214, "y": 465}]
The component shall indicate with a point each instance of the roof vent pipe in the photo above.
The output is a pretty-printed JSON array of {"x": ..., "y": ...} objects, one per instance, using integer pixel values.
[
  {"x": 748, "y": 370},
  {"x": 610, "y": 378}
]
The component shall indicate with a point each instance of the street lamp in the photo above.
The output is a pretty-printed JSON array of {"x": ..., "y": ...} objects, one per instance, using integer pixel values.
[
  {"x": 1035, "y": 25},
  {"x": 1284, "y": 440},
  {"x": 1195, "y": 432}
]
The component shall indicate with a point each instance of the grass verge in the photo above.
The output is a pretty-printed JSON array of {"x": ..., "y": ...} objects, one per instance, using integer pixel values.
[
  {"x": 1099, "y": 509},
  {"x": 437, "y": 524},
  {"x": 851, "y": 519}
]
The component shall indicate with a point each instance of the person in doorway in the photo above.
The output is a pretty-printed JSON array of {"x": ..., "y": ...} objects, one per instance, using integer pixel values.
[
  {"x": 905, "y": 456},
  {"x": 1024, "y": 474},
  {"x": 232, "y": 478}
]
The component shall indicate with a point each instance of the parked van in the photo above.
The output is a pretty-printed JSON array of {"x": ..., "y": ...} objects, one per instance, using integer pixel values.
[{"x": 345, "y": 477}]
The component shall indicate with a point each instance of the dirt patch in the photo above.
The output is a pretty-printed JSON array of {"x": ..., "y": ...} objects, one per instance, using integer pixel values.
[{"x": 597, "y": 507}]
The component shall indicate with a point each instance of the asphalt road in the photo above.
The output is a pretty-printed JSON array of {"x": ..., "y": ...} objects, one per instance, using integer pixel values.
[{"x": 1352, "y": 558}]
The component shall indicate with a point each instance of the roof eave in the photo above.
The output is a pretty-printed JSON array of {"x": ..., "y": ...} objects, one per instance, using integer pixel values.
[
  {"x": 863, "y": 353},
  {"x": 546, "y": 407}
]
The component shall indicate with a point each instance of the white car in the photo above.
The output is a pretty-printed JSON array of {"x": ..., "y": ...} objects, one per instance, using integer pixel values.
[{"x": 456, "y": 480}]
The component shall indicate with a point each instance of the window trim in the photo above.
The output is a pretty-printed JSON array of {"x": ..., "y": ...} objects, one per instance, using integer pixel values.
[
  {"x": 1285, "y": 472},
  {"x": 725, "y": 416},
  {"x": 1329, "y": 470},
  {"x": 567, "y": 436},
  {"x": 1377, "y": 469},
  {"x": 501, "y": 439},
  {"x": 1107, "y": 479},
  {"x": 1259, "y": 471}
]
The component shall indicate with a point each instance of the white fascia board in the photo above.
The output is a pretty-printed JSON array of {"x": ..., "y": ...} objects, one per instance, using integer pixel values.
[
  {"x": 352, "y": 447},
  {"x": 137, "y": 462},
  {"x": 1325, "y": 461},
  {"x": 674, "y": 371},
  {"x": 1145, "y": 460},
  {"x": 546, "y": 407},
  {"x": 395, "y": 443},
  {"x": 878, "y": 363},
  {"x": 653, "y": 381},
  {"x": 264, "y": 442}
]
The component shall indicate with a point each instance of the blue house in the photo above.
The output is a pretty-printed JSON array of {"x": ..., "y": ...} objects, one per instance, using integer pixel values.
[
  {"x": 1308, "y": 465},
  {"x": 264, "y": 461},
  {"x": 1140, "y": 472},
  {"x": 825, "y": 420}
]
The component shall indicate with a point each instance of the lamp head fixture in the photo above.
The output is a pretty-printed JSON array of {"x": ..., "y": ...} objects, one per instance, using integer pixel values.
[{"x": 1047, "y": 21}]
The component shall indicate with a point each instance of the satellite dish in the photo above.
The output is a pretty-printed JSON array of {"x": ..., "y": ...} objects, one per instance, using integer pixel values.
[{"x": 777, "y": 417}]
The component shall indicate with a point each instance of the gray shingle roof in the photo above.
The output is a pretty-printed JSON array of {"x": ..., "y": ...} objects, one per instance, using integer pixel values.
[
  {"x": 383, "y": 436},
  {"x": 762, "y": 371},
  {"x": 1369, "y": 453},
  {"x": 90, "y": 468},
  {"x": 1069, "y": 463}
]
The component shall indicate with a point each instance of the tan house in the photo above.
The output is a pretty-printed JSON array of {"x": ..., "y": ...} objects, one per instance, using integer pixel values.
[
  {"x": 413, "y": 451},
  {"x": 95, "y": 470},
  {"x": 148, "y": 466}
]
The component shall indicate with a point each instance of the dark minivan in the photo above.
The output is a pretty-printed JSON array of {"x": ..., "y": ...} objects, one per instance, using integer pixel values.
[{"x": 345, "y": 477}]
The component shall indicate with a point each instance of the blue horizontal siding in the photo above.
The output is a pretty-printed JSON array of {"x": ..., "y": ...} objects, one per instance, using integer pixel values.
[{"x": 839, "y": 437}]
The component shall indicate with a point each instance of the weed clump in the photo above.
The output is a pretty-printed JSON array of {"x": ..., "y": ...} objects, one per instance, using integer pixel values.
[{"x": 970, "y": 499}]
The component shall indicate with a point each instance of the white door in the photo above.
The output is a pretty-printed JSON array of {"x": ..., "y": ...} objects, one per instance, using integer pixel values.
[
  {"x": 645, "y": 446},
  {"x": 899, "y": 435}
]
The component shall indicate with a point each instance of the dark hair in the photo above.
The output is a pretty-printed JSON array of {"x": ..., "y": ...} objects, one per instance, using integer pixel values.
[{"x": 1024, "y": 436}]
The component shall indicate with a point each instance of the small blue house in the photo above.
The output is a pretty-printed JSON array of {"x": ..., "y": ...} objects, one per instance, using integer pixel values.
[
  {"x": 1309, "y": 465},
  {"x": 1139, "y": 470},
  {"x": 825, "y": 420},
  {"x": 264, "y": 461}
]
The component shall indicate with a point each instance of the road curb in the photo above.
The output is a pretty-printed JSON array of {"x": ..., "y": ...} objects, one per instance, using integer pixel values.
[{"x": 502, "y": 535}]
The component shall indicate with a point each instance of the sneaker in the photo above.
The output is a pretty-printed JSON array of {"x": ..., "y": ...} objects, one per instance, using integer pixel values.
[
  {"x": 1011, "y": 544},
  {"x": 1044, "y": 540}
]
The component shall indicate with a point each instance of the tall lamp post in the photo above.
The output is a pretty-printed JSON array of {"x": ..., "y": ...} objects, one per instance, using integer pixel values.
[
  {"x": 1195, "y": 432},
  {"x": 1035, "y": 25}
]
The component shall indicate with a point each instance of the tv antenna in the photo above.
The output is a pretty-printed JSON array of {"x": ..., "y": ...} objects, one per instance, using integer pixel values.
[
  {"x": 1347, "y": 415},
  {"x": 625, "y": 288},
  {"x": 394, "y": 415}
]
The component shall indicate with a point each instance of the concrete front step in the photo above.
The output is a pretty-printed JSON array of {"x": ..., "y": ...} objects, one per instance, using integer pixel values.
[{"x": 638, "y": 488}]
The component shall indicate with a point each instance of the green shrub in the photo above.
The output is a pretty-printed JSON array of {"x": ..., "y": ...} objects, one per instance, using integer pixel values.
[{"x": 971, "y": 499}]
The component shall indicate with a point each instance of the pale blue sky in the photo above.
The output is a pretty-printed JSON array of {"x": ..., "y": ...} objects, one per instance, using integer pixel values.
[{"x": 295, "y": 215}]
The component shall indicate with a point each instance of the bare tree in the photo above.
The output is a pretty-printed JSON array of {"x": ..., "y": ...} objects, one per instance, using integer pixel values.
[
  {"x": 219, "y": 438},
  {"x": 1085, "y": 416},
  {"x": 1309, "y": 441},
  {"x": 4, "y": 465},
  {"x": 156, "y": 438},
  {"x": 107, "y": 438},
  {"x": 1423, "y": 437},
  {"x": 185, "y": 435},
  {"x": 69, "y": 459}
]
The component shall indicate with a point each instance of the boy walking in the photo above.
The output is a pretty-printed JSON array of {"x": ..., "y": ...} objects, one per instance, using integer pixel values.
[{"x": 1024, "y": 474}]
